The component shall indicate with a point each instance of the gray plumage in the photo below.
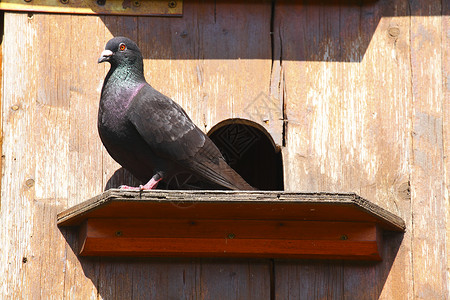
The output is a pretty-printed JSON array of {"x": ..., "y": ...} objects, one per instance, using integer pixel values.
[{"x": 149, "y": 134}]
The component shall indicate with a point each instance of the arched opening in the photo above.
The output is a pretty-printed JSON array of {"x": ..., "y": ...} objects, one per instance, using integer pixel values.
[{"x": 250, "y": 150}]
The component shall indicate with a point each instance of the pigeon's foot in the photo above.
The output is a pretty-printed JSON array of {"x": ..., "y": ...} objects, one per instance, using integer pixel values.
[
  {"x": 127, "y": 187},
  {"x": 150, "y": 185}
]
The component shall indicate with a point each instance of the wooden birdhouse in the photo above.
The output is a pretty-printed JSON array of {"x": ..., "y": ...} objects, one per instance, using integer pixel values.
[{"x": 337, "y": 111}]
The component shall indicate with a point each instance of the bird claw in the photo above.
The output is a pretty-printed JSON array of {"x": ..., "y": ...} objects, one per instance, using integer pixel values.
[
  {"x": 127, "y": 187},
  {"x": 151, "y": 185}
]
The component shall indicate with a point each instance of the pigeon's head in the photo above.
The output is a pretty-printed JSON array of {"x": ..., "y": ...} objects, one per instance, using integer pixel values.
[{"x": 121, "y": 51}]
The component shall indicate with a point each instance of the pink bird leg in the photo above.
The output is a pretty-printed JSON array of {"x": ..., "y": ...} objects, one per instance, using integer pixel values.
[{"x": 148, "y": 186}]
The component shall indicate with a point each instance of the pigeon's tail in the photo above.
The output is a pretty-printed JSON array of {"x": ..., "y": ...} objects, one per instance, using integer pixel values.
[
  {"x": 221, "y": 173},
  {"x": 231, "y": 179}
]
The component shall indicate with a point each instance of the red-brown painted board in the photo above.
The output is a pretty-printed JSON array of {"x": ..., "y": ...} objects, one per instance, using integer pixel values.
[
  {"x": 247, "y": 229},
  {"x": 245, "y": 248},
  {"x": 230, "y": 238}
]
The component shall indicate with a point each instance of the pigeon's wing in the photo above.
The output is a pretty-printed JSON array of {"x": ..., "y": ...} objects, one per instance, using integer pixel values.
[
  {"x": 164, "y": 125},
  {"x": 171, "y": 134}
]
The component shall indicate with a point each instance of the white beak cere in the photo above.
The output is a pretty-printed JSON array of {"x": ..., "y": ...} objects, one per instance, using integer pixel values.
[{"x": 106, "y": 54}]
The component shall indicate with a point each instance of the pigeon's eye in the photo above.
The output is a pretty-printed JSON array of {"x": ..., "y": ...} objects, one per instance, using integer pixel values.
[{"x": 122, "y": 47}]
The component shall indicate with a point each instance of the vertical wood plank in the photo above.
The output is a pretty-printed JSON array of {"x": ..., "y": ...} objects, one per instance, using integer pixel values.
[
  {"x": 184, "y": 279},
  {"x": 307, "y": 36},
  {"x": 307, "y": 39},
  {"x": 179, "y": 276},
  {"x": 446, "y": 110},
  {"x": 375, "y": 148},
  {"x": 2, "y": 23},
  {"x": 50, "y": 139},
  {"x": 240, "y": 279},
  {"x": 308, "y": 280},
  {"x": 357, "y": 81},
  {"x": 18, "y": 100},
  {"x": 341, "y": 133},
  {"x": 85, "y": 150},
  {"x": 429, "y": 252},
  {"x": 86, "y": 79}
]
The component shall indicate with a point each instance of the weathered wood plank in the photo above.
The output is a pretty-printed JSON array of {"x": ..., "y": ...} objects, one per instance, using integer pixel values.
[
  {"x": 17, "y": 206},
  {"x": 376, "y": 149},
  {"x": 360, "y": 74},
  {"x": 185, "y": 279},
  {"x": 345, "y": 134},
  {"x": 307, "y": 39},
  {"x": 181, "y": 277},
  {"x": 83, "y": 7},
  {"x": 308, "y": 279},
  {"x": 86, "y": 79},
  {"x": 85, "y": 150},
  {"x": 2, "y": 23},
  {"x": 241, "y": 279},
  {"x": 312, "y": 159},
  {"x": 51, "y": 142},
  {"x": 429, "y": 252},
  {"x": 446, "y": 110}
]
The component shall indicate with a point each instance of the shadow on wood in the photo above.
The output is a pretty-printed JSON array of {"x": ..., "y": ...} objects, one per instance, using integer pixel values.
[
  {"x": 174, "y": 278},
  {"x": 205, "y": 278},
  {"x": 289, "y": 30},
  {"x": 122, "y": 177},
  {"x": 313, "y": 279}
]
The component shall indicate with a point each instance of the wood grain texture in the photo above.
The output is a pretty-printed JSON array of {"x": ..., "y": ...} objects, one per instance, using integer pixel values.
[
  {"x": 365, "y": 93},
  {"x": 81, "y": 7},
  {"x": 85, "y": 166},
  {"x": 349, "y": 107},
  {"x": 446, "y": 110},
  {"x": 51, "y": 99},
  {"x": 309, "y": 35},
  {"x": 380, "y": 99},
  {"x": 17, "y": 197},
  {"x": 429, "y": 249},
  {"x": 2, "y": 22},
  {"x": 184, "y": 279}
]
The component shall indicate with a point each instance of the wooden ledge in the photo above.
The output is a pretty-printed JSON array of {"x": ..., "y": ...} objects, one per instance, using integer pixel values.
[
  {"x": 230, "y": 224},
  {"x": 166, "y": 8}
]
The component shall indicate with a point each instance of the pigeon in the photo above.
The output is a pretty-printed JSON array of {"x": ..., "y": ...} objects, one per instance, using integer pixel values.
[{"x": 148, "y": 133}]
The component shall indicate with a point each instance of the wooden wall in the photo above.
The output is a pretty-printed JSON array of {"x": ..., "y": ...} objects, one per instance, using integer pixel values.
[{"x": 364, "y": 93}]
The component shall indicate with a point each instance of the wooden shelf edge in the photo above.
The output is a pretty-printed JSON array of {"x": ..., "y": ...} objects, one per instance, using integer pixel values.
[
  {"x": 257, "y": 224},
  {"x": 75, "y": 214}
]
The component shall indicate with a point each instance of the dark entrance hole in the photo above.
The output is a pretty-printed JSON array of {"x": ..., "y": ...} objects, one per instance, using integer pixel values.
[{"x": 249, "y": 149}]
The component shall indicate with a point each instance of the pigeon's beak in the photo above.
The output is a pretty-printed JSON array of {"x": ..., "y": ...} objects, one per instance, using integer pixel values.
[{"x": 105, "y": 56}]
